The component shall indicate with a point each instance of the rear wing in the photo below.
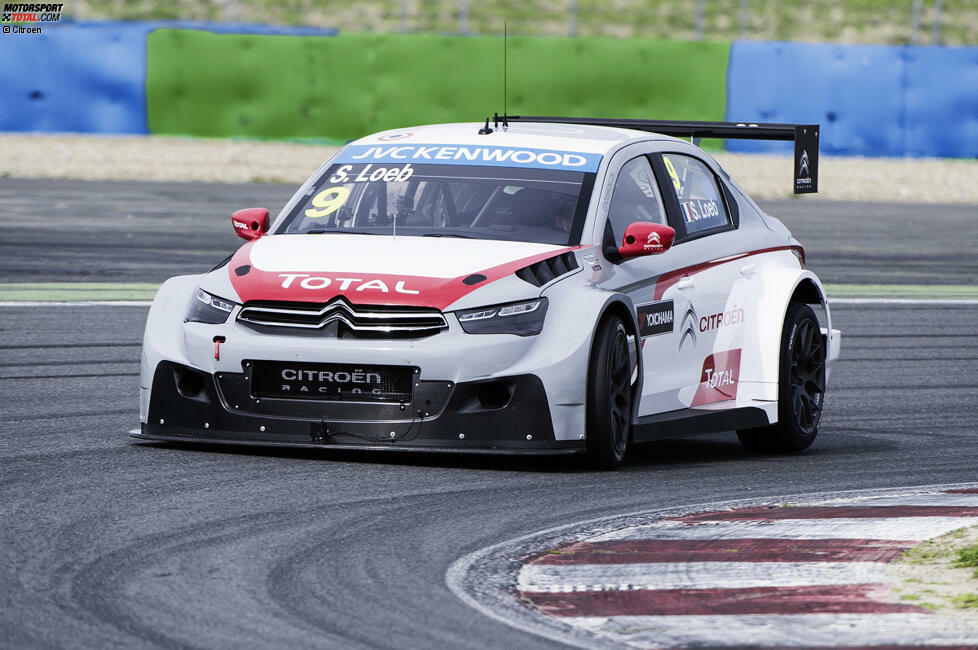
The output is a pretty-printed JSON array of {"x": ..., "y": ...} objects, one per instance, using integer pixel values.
[{"x": 805, "y": 137}]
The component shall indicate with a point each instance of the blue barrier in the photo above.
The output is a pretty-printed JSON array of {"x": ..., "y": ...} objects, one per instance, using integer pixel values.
[
  {"x": 871, "y": 100},
  {"x": 87, "y": 78},
  {"x": 90, "y": 77},
  {"x": 941, "y": 99}
]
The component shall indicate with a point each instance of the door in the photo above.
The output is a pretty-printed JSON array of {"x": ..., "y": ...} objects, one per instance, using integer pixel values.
[{"x": 714, "y": 291}]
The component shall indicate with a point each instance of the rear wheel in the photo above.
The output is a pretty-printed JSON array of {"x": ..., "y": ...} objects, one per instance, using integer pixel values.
[
  {"x": 801, "y": 387},
  {"x": 609, "y": 395}
]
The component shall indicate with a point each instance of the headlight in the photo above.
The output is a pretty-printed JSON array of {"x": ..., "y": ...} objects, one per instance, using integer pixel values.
[
  {"x": 520, "y": 318},
  {"x": 205, "y": 308}
]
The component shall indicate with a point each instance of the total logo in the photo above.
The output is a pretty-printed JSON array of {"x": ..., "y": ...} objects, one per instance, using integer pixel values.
[
  {"x": 314, "y": 282},
  {"x": 719, "y": 378},
  {"x": 716, "y": 378}
]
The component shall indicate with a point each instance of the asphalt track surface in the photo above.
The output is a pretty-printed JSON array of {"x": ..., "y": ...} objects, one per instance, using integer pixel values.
[
  {"x": 107, "y": 542},
  {"x": 75, "y": 231}
]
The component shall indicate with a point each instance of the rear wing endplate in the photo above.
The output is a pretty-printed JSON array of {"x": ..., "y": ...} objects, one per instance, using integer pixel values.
[{"x": 805, "y": 137}]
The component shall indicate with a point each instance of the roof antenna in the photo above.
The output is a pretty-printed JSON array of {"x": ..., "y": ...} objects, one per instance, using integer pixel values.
[{"x": 505, "y": 75}]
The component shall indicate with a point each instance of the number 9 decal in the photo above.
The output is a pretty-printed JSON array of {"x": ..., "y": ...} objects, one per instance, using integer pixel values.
[
  {"x": 675, "y": 177},
  {"x": 327, "y": 202}
]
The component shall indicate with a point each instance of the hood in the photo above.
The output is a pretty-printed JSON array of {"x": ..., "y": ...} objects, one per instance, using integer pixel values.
[{"x": 376, "y": 269}]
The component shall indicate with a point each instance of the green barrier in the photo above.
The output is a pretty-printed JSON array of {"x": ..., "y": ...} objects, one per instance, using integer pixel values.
[{"x": 226, "y": 85}]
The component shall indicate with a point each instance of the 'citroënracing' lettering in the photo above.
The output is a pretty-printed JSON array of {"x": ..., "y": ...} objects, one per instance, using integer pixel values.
[
  {"x": 321, "y": 282},
  {"x": 299, "y": 382},
  {"x": 733, "y": 316},
  {"x": 340, "y": 377}
]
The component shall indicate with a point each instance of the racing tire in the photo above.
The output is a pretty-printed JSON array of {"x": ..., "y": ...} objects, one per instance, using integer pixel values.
[
  {"x": 609, "y": 396},
  {"x": 801, "y": 387}
]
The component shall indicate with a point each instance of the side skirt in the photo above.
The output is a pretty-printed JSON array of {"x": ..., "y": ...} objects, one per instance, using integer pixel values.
[{"x": 691, "y": 422}]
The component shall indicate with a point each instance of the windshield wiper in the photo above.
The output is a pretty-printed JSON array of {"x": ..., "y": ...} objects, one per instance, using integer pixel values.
[{"x": 438, "y": 234}]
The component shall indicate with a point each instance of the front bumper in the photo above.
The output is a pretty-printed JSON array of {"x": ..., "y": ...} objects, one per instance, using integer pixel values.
[{"x": 190, "y": 405}]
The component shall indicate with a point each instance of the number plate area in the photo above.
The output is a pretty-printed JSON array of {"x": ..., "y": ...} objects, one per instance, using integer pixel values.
[{"x": 331, "y": 381}]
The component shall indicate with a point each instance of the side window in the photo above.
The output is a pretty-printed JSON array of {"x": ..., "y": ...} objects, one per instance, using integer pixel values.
[
  {"x": 635, "y": 198},
  {"x": 700, "y": 203}
]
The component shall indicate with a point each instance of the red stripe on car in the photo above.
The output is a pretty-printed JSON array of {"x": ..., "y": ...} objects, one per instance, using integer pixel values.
[
  {"x": 369, "y": 289},
  {"x": 670, "y": 278}
]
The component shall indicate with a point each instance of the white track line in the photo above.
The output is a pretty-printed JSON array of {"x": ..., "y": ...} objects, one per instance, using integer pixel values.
[
  {"x": 892, "y": 528},
  {"x": 962, "y": 500},
  {"x": 561, "y": 578},
  {"x": 782, "y": 630},
  {"x": 79, "y": 303},
  {"x": 903, "y": 301}
]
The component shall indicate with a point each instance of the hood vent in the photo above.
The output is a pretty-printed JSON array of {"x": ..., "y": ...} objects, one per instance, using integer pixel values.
[{"x": 549, "y": 269}]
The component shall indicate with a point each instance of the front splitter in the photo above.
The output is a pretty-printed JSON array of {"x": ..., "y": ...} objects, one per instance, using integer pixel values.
[{"x": 509, "y": 447}]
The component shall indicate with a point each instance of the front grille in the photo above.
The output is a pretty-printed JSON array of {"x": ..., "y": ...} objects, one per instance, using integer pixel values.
[
  {"x": 343, "y": 319},
  {"x": 543, "y": 272}
]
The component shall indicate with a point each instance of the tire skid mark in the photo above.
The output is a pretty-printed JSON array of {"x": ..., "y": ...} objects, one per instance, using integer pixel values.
[
  {"x": 48, "y": 346},
  {"x": 35, "y": 364},
  {"x": 73, "y": 376}
]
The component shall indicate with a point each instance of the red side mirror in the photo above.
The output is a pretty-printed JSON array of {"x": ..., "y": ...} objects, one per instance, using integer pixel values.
[
  {"x": 644, "y": 238},
  {"x": 250, "y": 223}
]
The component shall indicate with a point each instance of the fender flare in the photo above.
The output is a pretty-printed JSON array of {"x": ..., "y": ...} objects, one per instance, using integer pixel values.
[
  {"x": 163, "y": 335},
  {"x": 776, "y": 293}
]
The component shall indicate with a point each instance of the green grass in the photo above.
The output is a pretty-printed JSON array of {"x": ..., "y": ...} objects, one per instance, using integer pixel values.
[
  {"x": 852, "y": 21},
  {"x": 965, "y": 600},
  {"x": 905, "y": 291},
  {"x": 87, "y": 291},
  {"x": 76, "y": 291},
  {"x": 968, "y": 557}
]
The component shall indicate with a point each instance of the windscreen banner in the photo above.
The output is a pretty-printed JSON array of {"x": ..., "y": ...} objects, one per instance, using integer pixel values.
[{"x": 471, "y": 155}]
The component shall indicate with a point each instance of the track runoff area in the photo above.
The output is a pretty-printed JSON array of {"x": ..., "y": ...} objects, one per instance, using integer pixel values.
[{"x": 807, "y": 572}]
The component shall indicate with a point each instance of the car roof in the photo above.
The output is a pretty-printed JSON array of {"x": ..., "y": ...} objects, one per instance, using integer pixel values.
[{"x": 533, "y": 135}]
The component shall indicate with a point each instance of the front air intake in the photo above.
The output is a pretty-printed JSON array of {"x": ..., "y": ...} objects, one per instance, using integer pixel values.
[
  {"x": 342, "y": 319},
  {"x": 549, "y": 269}
]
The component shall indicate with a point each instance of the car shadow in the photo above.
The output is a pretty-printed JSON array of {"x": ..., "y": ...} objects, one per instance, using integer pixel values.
[
  {"x": 661, "y": 453},
  {"x": 495, "y": 462}
]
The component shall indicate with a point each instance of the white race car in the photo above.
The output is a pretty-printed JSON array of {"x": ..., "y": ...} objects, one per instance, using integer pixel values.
[{"x": 543, "y": 285}]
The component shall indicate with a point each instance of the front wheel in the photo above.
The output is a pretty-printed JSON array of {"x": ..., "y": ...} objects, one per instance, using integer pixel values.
[
  {"x": 801, "y": 387},
  {"x": 609, "y": 395}
]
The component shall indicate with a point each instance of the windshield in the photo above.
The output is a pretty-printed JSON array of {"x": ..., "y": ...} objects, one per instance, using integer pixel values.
[{"x": 445, "y": 200}]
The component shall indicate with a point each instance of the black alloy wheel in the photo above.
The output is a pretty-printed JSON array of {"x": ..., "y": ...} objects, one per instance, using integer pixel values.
[
  {"x": 806, "y": 375},
  {"x": 610, "y": 395},
  {"x": 801, "y": 387}
]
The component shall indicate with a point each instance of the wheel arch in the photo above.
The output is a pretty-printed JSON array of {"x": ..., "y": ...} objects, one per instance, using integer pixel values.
[
  {"x": 621, "y": 306},
  {"x": 809, "y": 292}
]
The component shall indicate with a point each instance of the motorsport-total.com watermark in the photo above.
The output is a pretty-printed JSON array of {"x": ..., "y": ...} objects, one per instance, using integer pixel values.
[{"x": 30, "y": 13}]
